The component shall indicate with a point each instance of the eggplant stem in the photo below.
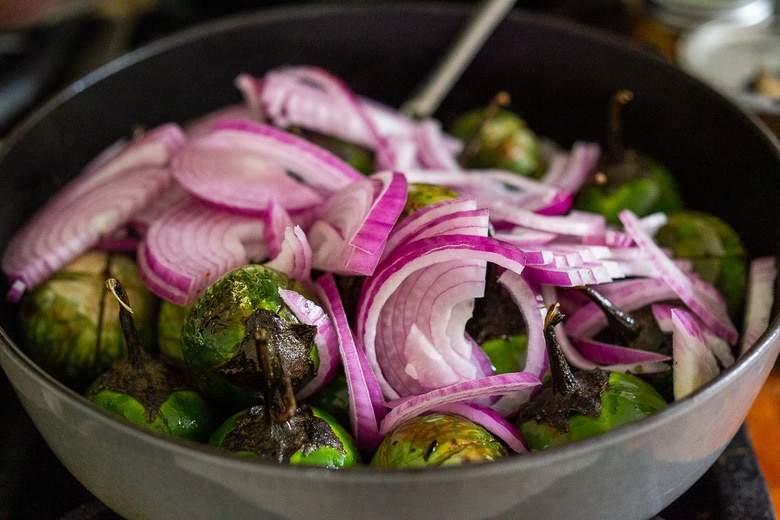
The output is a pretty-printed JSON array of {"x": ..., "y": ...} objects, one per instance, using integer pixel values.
[
  {"x": 135, "y": 350},
  {"x": 471, "y": 147},
  {"x": 563, "y": 379}
]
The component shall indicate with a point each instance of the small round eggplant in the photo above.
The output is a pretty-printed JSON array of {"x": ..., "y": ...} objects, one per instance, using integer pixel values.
[
  {"x": 153, "y": 391},
  {"x": 65, "y": 323},
  {"x": 438, "y": 439},
  {"x": 579, "y": 405},
  {"x": 218, "y": 345}
]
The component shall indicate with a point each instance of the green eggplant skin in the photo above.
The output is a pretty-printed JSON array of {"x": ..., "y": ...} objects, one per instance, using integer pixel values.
[
  {"x": 438, "y": 439},
  {"x": 184, "y": 413},
  {"x": 69, "y": 324},
  {"x": 420, "y": 195},
  {"x": 214, "y": 329},
  {"x": 627, "y": 399},
  {"x": 655, "y": 190},
  {"x": 338, "y": 451},
  {"x": 503, "y": 140},
  {"x": 716, "y": 250}
]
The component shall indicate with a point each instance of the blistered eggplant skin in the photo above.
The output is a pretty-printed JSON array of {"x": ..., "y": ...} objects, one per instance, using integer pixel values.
[
  {"x": 626, "y": 399},
  {"x": 69, "y": 323},
  {"x": 214, "y": 331},
  {"x": 438, "y": 439},
  {"x": 501, "y": 140},
  {"x": 310, "y": 437}
]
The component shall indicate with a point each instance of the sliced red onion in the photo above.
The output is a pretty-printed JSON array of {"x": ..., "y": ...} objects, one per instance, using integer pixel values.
[
  {"x": 759, "y": 299},
  {"x": 490, "y": 420},
  {"x": 366, "y": 405},
  {"x": 408, "y": 407},
  {"x": 576, "y": 223},
  {"x": 292, "y": 97},
  {"x": 295, "y": 256},
  {"x": 313, "y": 164},
  {"x": 490, "y": 187},
  {"x": 529, "y": 301},
  {"x": 352, "y": 226},
  {"x": 151, "y": 149},
  {"x": 704, "y": 301},
  {"x": 694, "y": 363},
  {"x": 327, "y": 340},
  {"x": 228, "y": 169},
  {"x": 433, "y": 151},
  {"x": 205, "y": 124},
  {"x": 571, "y": 172},
  {"x": 627, "y": 295},
  {"x": 69, "y": 226},
  {"x": 720, "y": 347},
  {"x": 610, "y": 354},
  {"x": 459, "y": 215},
  {"x": 191, "y": 245},
  {"x": 277, "y": 220},
  {"x": 412, "y": 312}
]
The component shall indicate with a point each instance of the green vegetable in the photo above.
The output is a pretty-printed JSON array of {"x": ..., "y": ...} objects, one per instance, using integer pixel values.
[
  {"x": 627, "y": 179},
  {"x": 420, "y": 195},
  {"x": 576, "y": 406},
  {"x": 716, "y": 250},
  {"x": 496, "y": 137},
  {"x": 438, "y": 439},
  {"x": 169, "y": 325},
  {"x": 155, "y": 392},
  {"x": 220, "y": 349},
  {"x": 66, "y": 326},
  {"x": 507, "y": 354},
  {"x": 309, "y": 437},
  {"x": 333, "y": 397}
]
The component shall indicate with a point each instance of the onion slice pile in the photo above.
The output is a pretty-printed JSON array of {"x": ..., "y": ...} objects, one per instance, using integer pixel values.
[
  {"x": 90, "y": 207},
  {"x": 241, "y": 186}
]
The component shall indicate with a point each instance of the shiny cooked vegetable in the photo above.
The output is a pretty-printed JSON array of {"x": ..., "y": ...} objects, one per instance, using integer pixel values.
[
  {"x": 68, "y": 326},
  {"x": 576, "y": 406},
  {"x": 155, "y": 392},
  {"x": 416, "y": 289}
]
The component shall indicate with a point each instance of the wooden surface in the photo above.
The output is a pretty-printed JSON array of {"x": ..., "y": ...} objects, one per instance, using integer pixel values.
[{"x": 763, "y": 423}]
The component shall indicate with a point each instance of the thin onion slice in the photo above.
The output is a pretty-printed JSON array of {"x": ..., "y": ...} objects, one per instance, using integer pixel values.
[
  {"x": 704, "y": 301},
  {"x": 295, "y": 256},
  {"x": 407, "y": 407},
  {"x": 366, "y": 405},
  {"x": 610, "y": 354},
  {"x": 327, "y": 340},
  {"x": 352, "y": 226},
  {"x": 60, "y": 232},
  {"x": 315, "y": 165},
  {"x": 694, "y": 364},
  {"x": 191, "y": 245},
  {"x": 456, "y": 263},
  {"x": 490, "y": 420},
  {"x": 759, "y": 299},
  {"x": 229, "y": 170}
]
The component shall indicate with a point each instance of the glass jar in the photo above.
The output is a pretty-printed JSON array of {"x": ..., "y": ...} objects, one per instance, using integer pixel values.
[{"x": 660, "y": 23}]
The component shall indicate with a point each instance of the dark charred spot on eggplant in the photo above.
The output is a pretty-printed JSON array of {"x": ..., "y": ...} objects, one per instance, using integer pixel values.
[
  {"x": 304, "y": 432},
  {"x": 292, "y": 340}
]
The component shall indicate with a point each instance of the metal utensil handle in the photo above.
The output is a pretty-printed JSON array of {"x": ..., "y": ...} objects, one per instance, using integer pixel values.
[{"x": 431, "y": 93}]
